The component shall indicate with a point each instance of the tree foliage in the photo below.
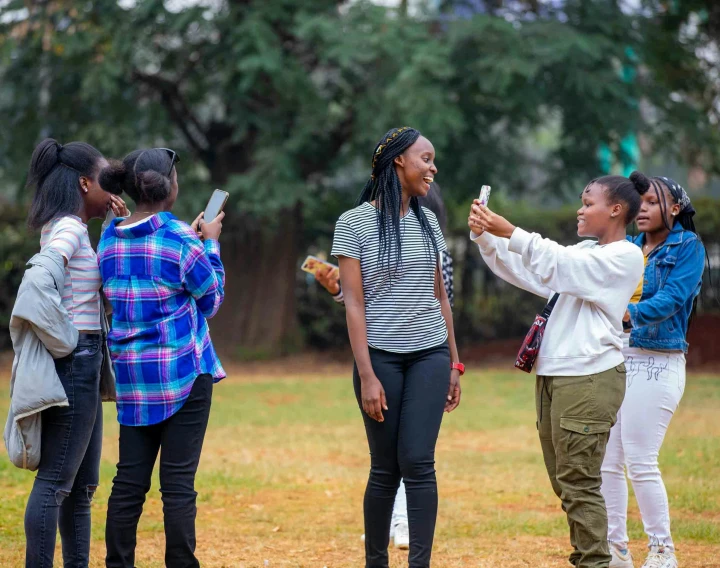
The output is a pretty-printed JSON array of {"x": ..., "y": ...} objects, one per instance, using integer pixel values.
[{"x": 281, "y": 101}]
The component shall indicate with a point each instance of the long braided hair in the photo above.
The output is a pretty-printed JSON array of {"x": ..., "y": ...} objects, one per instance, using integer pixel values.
[
  {"x": 385, "y": 189},
  {"x": 684, "y": 219}
]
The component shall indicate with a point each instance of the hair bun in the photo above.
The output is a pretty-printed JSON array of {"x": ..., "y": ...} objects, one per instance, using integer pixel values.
[
  {"x": 113, "y": 178},
  {"x": 640, "y": 181},
  {"x": 153, "y": 186}
]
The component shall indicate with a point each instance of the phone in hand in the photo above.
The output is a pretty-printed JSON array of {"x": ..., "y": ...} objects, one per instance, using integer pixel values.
[
  {"x": 313, "y": 263},
  {"x": 484, "y": 195},
  {"x": 215, "y": 205}
]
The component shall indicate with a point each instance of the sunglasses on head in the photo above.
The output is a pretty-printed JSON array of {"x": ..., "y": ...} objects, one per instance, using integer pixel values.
[{"x": 174, "y": 158}]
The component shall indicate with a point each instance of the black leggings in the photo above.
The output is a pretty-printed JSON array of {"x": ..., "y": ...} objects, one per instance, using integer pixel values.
[{"x": 403, "y": 446}]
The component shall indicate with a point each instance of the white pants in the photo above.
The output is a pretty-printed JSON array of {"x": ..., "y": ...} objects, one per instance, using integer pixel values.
[
  {"x": 399, "y": 514},
  {"x": 655, "y": 385}
]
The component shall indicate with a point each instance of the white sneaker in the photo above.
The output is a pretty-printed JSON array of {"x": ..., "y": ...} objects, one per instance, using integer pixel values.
[
  {"x": 401, "y": 536},
  {"x": 621, "y": 557},
  {"x": 660, "y": 557}
]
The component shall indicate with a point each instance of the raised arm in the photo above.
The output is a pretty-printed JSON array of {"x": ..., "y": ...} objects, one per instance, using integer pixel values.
[
  {"x": 584, "y": 272},
  {"x": 508, "y": 265},
  {"x": 203, "y": 274}
]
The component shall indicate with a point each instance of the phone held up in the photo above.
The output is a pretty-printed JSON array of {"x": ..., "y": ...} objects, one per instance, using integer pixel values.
[
  {"x": 484, "y": 195},
  {"x": 215, "y": 205}
]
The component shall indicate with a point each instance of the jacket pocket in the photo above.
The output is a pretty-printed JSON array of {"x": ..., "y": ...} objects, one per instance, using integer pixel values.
[{"x": 664, "y": 266}]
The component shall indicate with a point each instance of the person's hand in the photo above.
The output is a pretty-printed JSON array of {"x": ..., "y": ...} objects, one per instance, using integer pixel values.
[
  {"x": 372, "y": 395},
  {"x": 474, "y": 222},
  {"x": 211, "y": 231},
  {"x": 329, "y": 278},
  {"x": 195, "y": 225},
  {"x": 454, "y": 392},
  {"x": 118, "y": 206},
  {"x": 484, "y": 219}
]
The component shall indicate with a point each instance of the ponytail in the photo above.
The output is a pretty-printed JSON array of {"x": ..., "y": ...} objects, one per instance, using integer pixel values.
[{"x": 55, "y": 172}]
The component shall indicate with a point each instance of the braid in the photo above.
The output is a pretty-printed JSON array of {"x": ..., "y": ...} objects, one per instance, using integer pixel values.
[{"x": 385, "y": 189}]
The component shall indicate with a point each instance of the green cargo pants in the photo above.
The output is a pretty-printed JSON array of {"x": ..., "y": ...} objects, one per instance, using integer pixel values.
[{"x": 575, "y": 415}]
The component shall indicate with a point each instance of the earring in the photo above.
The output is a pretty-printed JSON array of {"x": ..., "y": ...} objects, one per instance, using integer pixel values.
[
  {"x": 674, "y": 214},
  {"x": 612, "y": 214}
]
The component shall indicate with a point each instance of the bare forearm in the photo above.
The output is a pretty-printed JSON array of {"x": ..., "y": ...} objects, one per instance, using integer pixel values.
[
  {"x": 357, "y": 330},
  {"x": 447, "y": 314}
]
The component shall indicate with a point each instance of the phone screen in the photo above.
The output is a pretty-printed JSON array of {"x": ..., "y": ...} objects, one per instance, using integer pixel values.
[{"x": 215, "y": 205}]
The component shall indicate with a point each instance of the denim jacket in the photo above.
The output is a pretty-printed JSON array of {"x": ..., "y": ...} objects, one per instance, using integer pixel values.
[{"x": 672, "y": 280}]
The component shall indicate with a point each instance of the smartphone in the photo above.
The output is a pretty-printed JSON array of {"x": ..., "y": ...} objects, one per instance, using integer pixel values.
[
  {"x": 215, "y": 205},
  {"x": 484, "y": 194},
  {"x": 312, "y": 263}
]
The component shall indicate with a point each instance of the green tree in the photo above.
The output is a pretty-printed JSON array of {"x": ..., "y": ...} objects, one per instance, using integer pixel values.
[{"x": 280, "y": 102}]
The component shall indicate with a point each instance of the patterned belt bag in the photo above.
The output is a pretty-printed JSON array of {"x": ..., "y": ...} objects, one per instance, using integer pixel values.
[{"x": 530, "y": 348}]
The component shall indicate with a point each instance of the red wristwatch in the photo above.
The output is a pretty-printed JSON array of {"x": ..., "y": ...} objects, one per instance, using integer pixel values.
[{"x": 459, "y": 366}]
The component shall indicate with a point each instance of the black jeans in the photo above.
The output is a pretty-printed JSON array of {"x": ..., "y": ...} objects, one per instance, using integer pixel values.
[
  {"x": 69, "y": 468},
  {"x": 403, "y": 446},
  {"x": 179, "y": 440}
]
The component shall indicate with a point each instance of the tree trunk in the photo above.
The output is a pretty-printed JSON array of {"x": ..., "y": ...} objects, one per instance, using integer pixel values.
[{"x": 258, "y": 318}]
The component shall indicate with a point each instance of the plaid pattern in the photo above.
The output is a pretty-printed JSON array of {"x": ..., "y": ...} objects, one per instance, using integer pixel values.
[{"x": 163, "y": 283}]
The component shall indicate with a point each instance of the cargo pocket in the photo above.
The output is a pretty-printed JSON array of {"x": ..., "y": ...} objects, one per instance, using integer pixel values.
[{"x": 583, "y": 441}]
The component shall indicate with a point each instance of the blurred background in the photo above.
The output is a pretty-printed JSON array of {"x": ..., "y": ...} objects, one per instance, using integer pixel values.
[{"x": 280, "y": 102}]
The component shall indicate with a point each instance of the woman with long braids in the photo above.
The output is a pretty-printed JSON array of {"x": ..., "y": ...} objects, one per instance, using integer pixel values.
[
  {"x": 655, "y": 346},
  {"x": 407, "y": 370},
  {"x": 329, "y": 279}
]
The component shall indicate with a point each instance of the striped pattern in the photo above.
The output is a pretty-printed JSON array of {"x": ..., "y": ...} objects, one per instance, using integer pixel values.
[
  {"x": 163, "y": 283},
  {"x": 401, "y": 311},
  {"x": 81, "y": 296}
]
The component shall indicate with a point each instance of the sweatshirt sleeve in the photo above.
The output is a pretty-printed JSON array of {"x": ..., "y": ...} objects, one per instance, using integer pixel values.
[
  {"x": 587, "y": 273},
  {"x": 681, "y": 284},
  {"x": 508, "y": 265}
]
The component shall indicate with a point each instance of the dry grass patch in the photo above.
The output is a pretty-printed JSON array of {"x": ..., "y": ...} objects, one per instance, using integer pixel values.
[{"x": 285, "y": 464}]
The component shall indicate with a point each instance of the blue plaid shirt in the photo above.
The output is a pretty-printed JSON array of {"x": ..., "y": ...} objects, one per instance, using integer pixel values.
[{"x": 163, "y": 283}]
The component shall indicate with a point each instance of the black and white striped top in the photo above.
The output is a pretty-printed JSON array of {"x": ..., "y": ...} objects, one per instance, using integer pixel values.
[{"x": 401, "y": 311}]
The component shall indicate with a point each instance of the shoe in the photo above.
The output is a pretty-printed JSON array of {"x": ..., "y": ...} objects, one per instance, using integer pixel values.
[
  {"x": 660, "y": 557},
  {"x": 621, "y": 557},
  {"x": 401, "y": 536}
]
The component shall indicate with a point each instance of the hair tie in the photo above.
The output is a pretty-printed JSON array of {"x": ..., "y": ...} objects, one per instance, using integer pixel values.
[{"x": 58, "y": 146}]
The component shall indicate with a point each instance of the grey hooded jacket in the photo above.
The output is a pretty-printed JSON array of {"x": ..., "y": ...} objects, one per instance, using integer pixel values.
[{"x": 41, "y": 331}]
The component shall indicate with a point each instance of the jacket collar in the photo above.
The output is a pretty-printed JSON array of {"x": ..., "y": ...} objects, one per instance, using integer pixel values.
[
  {"x": 52, "y": 261},
  {"x": 675, "y": 237},
  {"x": 147, "y": 227}
]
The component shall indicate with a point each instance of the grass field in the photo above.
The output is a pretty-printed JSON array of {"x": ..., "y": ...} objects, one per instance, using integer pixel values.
[{"x": 285, "y": 464}]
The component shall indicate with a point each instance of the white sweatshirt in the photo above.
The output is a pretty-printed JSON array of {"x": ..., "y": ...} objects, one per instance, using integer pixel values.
[{"x": 584, "y": 333}]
